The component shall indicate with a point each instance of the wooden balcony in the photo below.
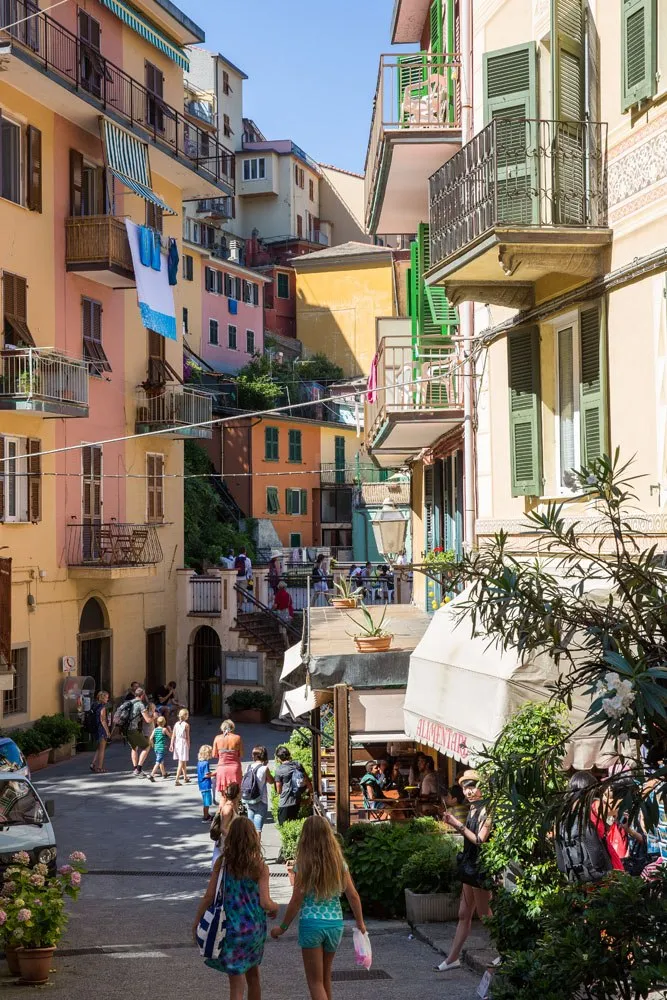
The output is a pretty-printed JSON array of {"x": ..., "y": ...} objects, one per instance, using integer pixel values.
[
  {"x": 416, "y": 125},
  {"x": 520, "y": 213},
  {"x": 97, "y": 247}
]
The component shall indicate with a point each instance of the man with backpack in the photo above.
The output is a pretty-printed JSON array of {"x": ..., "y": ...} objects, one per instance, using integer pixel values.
[
  {"x": 291, "y": 783},
  {"x": 129, "y": 719},
  {"x": 243, "y": 568}
]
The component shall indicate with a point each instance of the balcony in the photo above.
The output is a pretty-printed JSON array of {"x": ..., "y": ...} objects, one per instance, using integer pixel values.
[
  {"x": 521, "y": 212},
  {"x": 71, "y": 76},
  {"x": 418, "y": 400},
  {"x": 215, "y": 208},
  {"x": 172, "y": 410},
  {"x": 113, "y": 550},
  {"x": 337, "y": 475},
  {"x": 205, "y": 596},
  {"x": 36, "y": 381},
  {"x": 97, "y": 247},
  {"x": 416, "y": 126}
]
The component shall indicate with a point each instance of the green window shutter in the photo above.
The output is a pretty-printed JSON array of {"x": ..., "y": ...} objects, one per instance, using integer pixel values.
[
  {"x": 428, "y": 509},
  {"x": 339, "y": 459},
  {"x": 414, "y": 291},
  {"x": 288, "y": 501},
  {"x": 272, "y": 502},
  {"x": 510, "y": 96},
  {"x": 408, "y": 292},
  {"x": 443, "y": 313},
  {"x": 294, "y": 438},
  {"x": 523, "y": 348},
  {"x": 593, "y": 388},
  {"x": 412, "y": 73},
  {"x": 304, "y": 501},
  {"x": 639, "y": 51},
  {"x": 271, "y": 444},
  {"x": 435, "y": 21},
  {"x": 569, "y": 108}
]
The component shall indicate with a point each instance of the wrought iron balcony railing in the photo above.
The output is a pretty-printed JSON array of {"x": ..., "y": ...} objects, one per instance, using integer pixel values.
[
  {"x": 332, "y": 474},
  {"x": 55, "y": 50},
  {"x": 517, "y": 173},
  {"x": 174, "y": 408},
  {"x": 216, "y": 208},
  {"x": 112, "y": 545},
  {"x": 43, "y": 380}
]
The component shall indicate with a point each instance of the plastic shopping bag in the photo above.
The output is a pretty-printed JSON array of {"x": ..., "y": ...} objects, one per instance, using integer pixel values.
[{"x": 363, "y": 952}]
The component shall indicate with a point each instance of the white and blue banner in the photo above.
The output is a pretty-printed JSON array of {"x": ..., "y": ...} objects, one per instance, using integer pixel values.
[{"x": 155, "y": 294}]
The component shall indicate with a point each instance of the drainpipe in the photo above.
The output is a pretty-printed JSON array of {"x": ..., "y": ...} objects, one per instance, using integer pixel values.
[{"x": 466, "y": 311}]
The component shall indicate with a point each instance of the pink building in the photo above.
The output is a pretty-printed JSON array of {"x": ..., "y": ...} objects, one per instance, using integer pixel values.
[{"x": 232, "y": 315}]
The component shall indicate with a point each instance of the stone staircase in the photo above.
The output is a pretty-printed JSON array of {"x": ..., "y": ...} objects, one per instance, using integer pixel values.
[{"x": 260, "y": 628}]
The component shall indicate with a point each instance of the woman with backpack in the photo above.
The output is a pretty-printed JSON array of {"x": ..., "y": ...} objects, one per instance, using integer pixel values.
[{"x": 254, "y": 791}]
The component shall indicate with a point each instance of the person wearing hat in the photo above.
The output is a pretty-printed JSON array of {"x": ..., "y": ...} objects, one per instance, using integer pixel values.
[
  {"x": 474, "y": 897},
  {"x": 282, "y": 602}
]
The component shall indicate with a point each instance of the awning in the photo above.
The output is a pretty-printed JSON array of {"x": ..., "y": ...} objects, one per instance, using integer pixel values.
[
  {"x": 359, "y": 739},
  {"x": 303, "y": 700},
  {"x": 292, "y": 660},
  {"x": 149, "y": 32},
  {"x": 463, "y": 689},
  {"x": 126, "y": 157},
  {"x": 377, "y": 710}
]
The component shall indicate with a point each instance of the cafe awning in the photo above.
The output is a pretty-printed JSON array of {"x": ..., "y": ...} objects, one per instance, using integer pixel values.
[
  {"x": 462, "y": 689},
  {"x": 126, "y": 157},
  {"x": 292, "y": 660}
]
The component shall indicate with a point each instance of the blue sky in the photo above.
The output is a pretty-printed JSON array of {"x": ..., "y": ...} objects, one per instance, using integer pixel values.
[{"x": 312, "y": 67}]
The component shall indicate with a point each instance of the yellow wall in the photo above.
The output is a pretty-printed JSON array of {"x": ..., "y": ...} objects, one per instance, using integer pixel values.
[
  {"x": 337, "y": 307},
  {"x": 353, "y": 444}
]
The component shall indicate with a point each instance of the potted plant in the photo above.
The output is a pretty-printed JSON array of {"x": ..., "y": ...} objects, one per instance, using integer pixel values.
[
  {"x": 347, "y": 594},
  {"x": 32, "y": 913},
  {"x": 246, "y": 705},
  {"x": 290, "y": 831},
  {"x": 430, "y": 882},
  {"x": 372, "y": 636},
  {"x": 61, "y": 733},
  {"x": 35, "y": 747}
]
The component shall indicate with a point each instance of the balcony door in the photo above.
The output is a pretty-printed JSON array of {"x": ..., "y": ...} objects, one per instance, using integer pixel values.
[
  {"x": 94, "y": 641},
  {"x": 90, "y": 60},
  {"x": 154, "y": 98},
  {"x": 91, "y": 501}
]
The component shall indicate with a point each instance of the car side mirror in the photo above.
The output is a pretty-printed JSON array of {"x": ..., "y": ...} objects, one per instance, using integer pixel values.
[{"x": 50, "y": 807}]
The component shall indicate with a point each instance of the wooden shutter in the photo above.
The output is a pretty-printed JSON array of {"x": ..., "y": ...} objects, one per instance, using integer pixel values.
[
  {"x": 304, "y": 501},
  {"x": 75, "y": 182},
  {"x": 2, "y": 478},
  {"x": 523, "y": 348},
  {"x": 435, "y": 20},
  {"x": 288, "y": 501},
  {"x": 639, "y": 51},
  {"x": 34, "y": 194},
  {"x": 5, "y": 612},
  {"x": 34, "y": 447},
  {"x": 592, "y": 388},
  {"x": 155, "y": 487},
  {"x": 219, "y": 282},
  {"x": 510, "y": 98},
  {"x": 428, "y": 509},
  {"x": 8, "y": 294},
  {"x": 91, "y": 461},
  {"x": 568, "y": 78}
]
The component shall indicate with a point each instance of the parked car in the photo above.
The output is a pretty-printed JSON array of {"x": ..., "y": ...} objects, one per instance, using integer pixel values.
[
  {"x": 25, "y": 823},
  {"x": 11, "y": 758}
]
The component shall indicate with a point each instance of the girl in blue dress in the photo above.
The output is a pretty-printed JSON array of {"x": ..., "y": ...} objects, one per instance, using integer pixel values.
[{"x": 247, "y": 901}]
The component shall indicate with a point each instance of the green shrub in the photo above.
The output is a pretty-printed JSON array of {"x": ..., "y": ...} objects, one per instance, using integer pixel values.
[
  {"x": 247, "y": 698},
  {"x": 30, "y": 741},
  {"x": 432, "y": 868},
  {"x": 289, "y": 838},
  {"x": 58, "y": 729}
]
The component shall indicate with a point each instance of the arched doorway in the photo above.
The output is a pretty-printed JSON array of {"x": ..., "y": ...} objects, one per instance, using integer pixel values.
[
  {"x": 204, "y": 670},
  {"x": 95, "y": 644}
]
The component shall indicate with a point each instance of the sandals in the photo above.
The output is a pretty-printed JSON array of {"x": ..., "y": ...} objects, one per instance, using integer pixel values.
[{"x": 94, "y": 770}]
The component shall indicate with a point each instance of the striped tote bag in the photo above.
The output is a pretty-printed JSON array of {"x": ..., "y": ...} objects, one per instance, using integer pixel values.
[{"x": 213, "y": 925}]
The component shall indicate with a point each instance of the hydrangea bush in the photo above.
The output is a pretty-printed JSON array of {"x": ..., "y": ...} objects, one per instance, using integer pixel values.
[{"x": 32, "y": 900}]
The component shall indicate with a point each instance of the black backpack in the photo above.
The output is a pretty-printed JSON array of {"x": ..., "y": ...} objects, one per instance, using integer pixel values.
[
  {"x": 251, "y": 789},
  {"x": 582, "y": 857},
  {"x": 90, "y": 721}
]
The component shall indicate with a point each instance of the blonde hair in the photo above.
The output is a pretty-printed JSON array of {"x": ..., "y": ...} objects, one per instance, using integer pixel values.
[
  {"x": 227, "y": 726},
  {"x": 183, "y": 714},
  {"x": 102, "y": 694},
  {"x": 161, "y": 721},
  {"x": 205, "y": 752},
  {"x": 242, "y": 853},
  {"x": 319, "y": 860}
]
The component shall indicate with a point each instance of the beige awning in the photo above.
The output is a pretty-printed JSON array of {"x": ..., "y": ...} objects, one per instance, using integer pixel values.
[
  {"x": 377, "y": 710},
  {"x": 292, "y": 660},
  {"x": 301, "y": 701}
]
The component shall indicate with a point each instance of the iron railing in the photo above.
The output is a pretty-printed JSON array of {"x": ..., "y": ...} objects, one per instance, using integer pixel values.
[
  {"x": 332, "y": 474},
  {"x": 97, "y": 239},
  {"x": 28, "y": 373},
  {"x": 519, "y": 172},
  {"x": 410, "y": 386},
  {"x": 112, "y": 544},
  {"x": 419, "y": 92},
  {"x": 216, "y": 208},
  {"x": 175, "y": 407},
  {"x": 205, "y": 596},
  {"x": 55, "y": 50}
]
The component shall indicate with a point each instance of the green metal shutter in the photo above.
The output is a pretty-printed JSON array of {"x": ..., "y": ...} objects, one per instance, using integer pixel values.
[
  {"x": 510, "y": 96},
  {"x": 288, "y": 501},
  {"x": 568, "y": 142},
  {"x": 339, "y": 459},
  {"x": 639, "y": 51},
  {"x": 435, "y": 21},
  {"x": 412, "y": 72},
  {"x": 523, "y": 348},
  {"x": 304, "y": 501},
  {"x": 428, "y": 509},
  {"x": 414, "y": 293},
  {"x": 593, "y": 387}
]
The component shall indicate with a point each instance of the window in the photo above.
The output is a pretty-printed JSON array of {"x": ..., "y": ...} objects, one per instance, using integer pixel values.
[
  {"x": 247, "y": 294},
  {"x": 219, "y": 282},
  {"x": 271, "y": 444},
  {"x": 228, "y": 289},
  {"x": 255, "y": 293},
  {"x": 15, "y": 702},
  {"x": 91, "y": 322},
  {"x": 154, "y": 217},
  {"x": 296, "y": 501},
  {"x": 336, "y": 506},
  {"x": 226, "y": 89},
  {"x": 21, "y": 479},
  {"x": 283, "y": 285},
  {"x": 299, "y": 225},
  {"x": 188, "y": 267},
  {"x": 154, "y": 487},
  {"x": 91, "y": 64},
  {"x": 231, "y": 337},
  {"x": 294, "y": 439},
  {"x": 185, "y": 320},
  {"x": 154, "y": 102},
  {"x": 254, "y": 169},
  {"x": 250, "y": 341},
  {"x": 299, "y": 176},
  {"x": 639, "y": 51},
  {"x": 295, "y": 540},
  {"x": 339, "y": 459},
  {"x": 213, "y": 332},
  {"x": 242, "y": 668},
  {"x": 15, "y": 308},
  {"x": 209, "y": 279},
  {"x": 311, "y": 189},
  {"x": 227, "y": 126},
  {"x": 238, "y": 289},
  {"x": 11, "y": 160},
  {"x": 272, "y": 502}
]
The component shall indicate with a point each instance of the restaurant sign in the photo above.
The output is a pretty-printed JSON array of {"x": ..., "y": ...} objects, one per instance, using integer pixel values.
[{"x": 445, "y": 740}]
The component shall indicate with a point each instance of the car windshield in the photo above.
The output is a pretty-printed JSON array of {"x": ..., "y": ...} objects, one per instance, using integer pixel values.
[
  {"x": 19, "y": 804},
  {"x": 11, "y": 757}
]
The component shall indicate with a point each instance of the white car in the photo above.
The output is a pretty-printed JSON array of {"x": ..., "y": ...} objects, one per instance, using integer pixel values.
[{"x": 25, "y": 823}]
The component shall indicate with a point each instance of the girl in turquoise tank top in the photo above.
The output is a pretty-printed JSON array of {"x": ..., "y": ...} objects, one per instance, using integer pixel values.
[{"x": 321, "y": 876}]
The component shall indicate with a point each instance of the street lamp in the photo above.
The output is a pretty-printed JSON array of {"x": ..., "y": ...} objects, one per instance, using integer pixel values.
[{"x": 389, "y": 528}]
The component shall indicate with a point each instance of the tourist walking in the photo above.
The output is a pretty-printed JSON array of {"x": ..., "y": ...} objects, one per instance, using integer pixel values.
[
  {"x": 254, "y": 790},
  {"x": 227, "y": 749},
  {"x": 583, "y": 852},
  {"x": 475, "y": 898},
  {"x": 227, "y": 811},
  {"x": 282, "y": 603},
  {"x": 274, "y": 574},
  {"x": 160, "y": 737},
  {"x": 321, "y": 876},
  {"x": 204, "y": 779},
  {"x": 180, "y": 745},
  {"x": 245, "y": 889},
  {"x": 139, "y": 715},
  {"x": 102, "y": 731},
  {"x": 291, "y": 782}
]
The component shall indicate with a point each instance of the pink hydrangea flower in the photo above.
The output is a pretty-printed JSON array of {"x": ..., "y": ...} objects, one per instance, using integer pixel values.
[
  {"x": 8, "y": 888},
  {"x": 3, "y": 917},
  {"x": 36, "y": 902},
  {"x": 41, "y": 869},
  {"x": 22, "y": 858},
  {"x": 76, "y": 878},
  {"x": 23, "y": 916},
  {"x": 77, "y": 856},
  {"x": 37, "y": 880},
  {"x": 65, "y": 870}
]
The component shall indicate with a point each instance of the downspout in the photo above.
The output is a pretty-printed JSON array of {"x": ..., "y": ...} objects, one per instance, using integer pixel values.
[{"x": 466, "y": 312}]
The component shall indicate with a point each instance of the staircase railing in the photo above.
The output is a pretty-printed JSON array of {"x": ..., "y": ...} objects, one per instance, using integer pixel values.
[{"x": 247, "y": 597}]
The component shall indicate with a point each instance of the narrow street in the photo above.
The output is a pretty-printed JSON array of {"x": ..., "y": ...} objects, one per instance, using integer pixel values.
[{"x": 148, "y": 854}]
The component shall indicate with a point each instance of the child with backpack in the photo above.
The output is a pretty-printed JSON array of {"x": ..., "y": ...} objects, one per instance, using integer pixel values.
[
  {"x": 204, "y": 779},
  {"x": 180, "y": 746},
  {"x": 321, "y": 876},
  {"x": 158, "y": 738},
  {"x": 254, "y": 792}
]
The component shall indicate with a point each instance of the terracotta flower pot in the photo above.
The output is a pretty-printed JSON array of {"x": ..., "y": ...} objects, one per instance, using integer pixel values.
[
  {"x": 35, "y": 965},
  {"x": 36, "y": 761},
  {"x": 373, "y": 643},
  {"x": 343, "y": 602},
  {"x": 12, "y": 959},
  {"x": 251, "y": 715}
]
